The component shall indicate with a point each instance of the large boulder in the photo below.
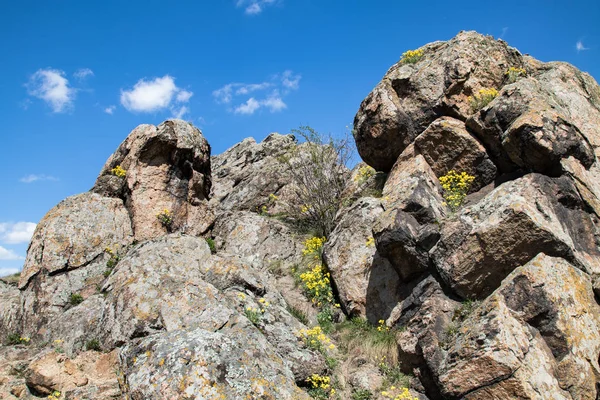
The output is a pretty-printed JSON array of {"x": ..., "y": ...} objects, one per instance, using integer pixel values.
[
  {"x": 67, "y": 257},
  {"x": 411, "y": 96},
  {"x": 166, "y": 167},
  {"x": 509, "y": 227},
  {"x": 246, "y": 174},
  {"x": 537, "y": 336},
  {"x": 9, "y": 309},
  {"x": 367, "y": 285}
]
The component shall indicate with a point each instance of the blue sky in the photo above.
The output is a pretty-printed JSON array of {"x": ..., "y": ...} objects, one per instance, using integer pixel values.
[{"x": 77, "y": 76}]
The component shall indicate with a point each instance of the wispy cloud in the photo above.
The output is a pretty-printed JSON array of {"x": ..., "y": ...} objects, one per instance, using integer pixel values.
[
  {"x": 6, "y": 254},
  {"x": 179, "y": 112},
  {"x": 504, "y": 30},
  {"x": 154, "y": 95},
  {"x": 254, "y": 7},
  {"x": 580, "y": 47},
  {"x": 15, "y": 233},
  {"x": 110, "y": 109},
  {"x": 51, "y": 86},
  {"x": 37, "y": 177},
  {"x": 83, "y": 73},
  {"x": 268, "y": 94}
]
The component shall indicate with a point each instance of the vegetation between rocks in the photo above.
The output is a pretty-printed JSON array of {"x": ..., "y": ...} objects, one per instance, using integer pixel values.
[
  {"x": 482, "y": 98},
  {"x": 456, "y": 186}
]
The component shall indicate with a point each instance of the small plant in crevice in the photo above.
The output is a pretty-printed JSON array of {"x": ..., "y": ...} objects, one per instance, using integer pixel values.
[
  {"x": 375, "y": 342},
  {"x": 320, "y": 387},
  {"x": 513, "y": 74},
  {"x": 165, "y": 217},
  {"x": 55, "y": 395},
  {"x": 118, "y": 171},
  {"x": 411, "y": 56},
  {"x": 113, "y": 260},
  {"x": 398, "y": 393},
  {"x": 361, "y": 394},
  {"x": 363, "y": 174},
  {"x": 255, "y": 314},
  {"x": 75, "y": 299},
  {"x": 482, "y": 98},
  {"x": 460, "y": 315},
  {"x": 211, "y": 245},
  {"x": 298, "y": 314},
  {"x": 93, "y": 345},
  {"x": 315, "y": 339},
  {"x": 16, "y": 338},
  {"x": 456, "y": 186}
]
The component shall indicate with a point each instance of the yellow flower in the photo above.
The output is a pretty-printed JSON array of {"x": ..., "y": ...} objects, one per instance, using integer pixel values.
[{"x": 118, "y": 171}]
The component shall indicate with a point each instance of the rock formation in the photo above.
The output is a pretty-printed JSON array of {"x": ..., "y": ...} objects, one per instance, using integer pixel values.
[{"x": 494, "y": 299}]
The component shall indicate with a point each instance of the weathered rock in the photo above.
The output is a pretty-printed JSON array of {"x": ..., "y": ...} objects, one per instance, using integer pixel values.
[
  {"x": 509, "y": 227},
  {"x": 523, "y": 341},
  {"x": 13, "y": 364},
  {"x": 446, "y": 145},
  {"x": 233, "y": 362},
  {"x": 9, "y": 308},
  {"x": 264, "y": 243},
  {"x": 167, "y": 167},
  {"x": 528, "y": 125},
  {"x": 411, "y": 96},
  {"x": 246, "y": 174},
  {"x": 90, "y": 375},
  {"x": 67, "y": 256},
  {"x": 367, "y": 284}
]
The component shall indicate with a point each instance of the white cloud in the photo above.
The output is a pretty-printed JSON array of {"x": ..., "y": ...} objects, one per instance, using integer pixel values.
[
  {"x": 184, "y": 96},
  {"x": 274, "y": 103},
  {"x": 110, "y": 109},
  {"x": 51, "y": 86},
  {"x": 14, "y": 233},
  {"x": 290, "y": 81},
  {"x": 279, "y": 85},
  {"x": 254, "y": 7},
  {"x": 580, "y": 47},
  {"x": 248, "y": 108},
  {"x": 179, "y": 112},
  {"x": 83, "y": 73},
  {"x": 6, "y": 254},
  {"x": 37, "y": 177},
  {"x": 153, "y": 95}
]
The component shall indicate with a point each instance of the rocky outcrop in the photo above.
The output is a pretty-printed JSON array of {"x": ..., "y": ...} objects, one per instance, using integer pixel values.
[
  {"x": 525, "y": 242},
  {"x": 166, "y": 167},
  {"x": 496, "y": 298}
]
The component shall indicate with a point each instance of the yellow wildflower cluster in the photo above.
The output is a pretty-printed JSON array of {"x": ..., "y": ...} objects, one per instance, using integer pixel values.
[
  {"x": 313, "y": 246},
  {"x": 456, "y": 186},
  {"x": 273, "y": 198},
  {"x": 318, "y": 381},
  {"x": 54, "y": 395},
  {"x": 24, "y": 340},
  {"x": 514, "y": 74},
  {"x": 317, "y": 285},
  {"x": 398, "y": 394},
  {"x": 482, "y": 98},
  {"x": 363, "y": 174},
  {"x": 370, "y": 242},
  {"x": 165, "y": 218},
  {"x": 304, "y": 209},
  {"x": 381, "y": 327},
  {"x": 254, "y": 314},
  {"x": 315, "y": 339},
  {"x": 411, "y": 56},
  {"x": 118, "y": 171}
]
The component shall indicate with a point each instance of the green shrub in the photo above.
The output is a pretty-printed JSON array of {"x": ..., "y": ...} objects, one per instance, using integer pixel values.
[
  {"x": 165, "y": 217},
  {"x": 211, "y": 245},
  {"x": 318, "y": 173},
  {"x": 361, "y": 394},
  {"x": 13, "y": 339},
  {"x": 93, "y": 345},
  {"x": 75, "y": 299}
]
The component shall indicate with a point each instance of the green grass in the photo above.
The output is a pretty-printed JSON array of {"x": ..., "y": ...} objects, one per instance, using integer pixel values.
[
  {"x": 361, "y": 394},
  {"x": 299, "y": 315},
  {"x": 211, "y": 244},
  {"x": 93, "y": 345},
  {"x": 75, "y": 299}
]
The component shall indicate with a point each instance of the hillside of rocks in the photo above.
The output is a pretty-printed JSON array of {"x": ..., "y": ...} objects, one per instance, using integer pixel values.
[{"x": 181, "y": 275}]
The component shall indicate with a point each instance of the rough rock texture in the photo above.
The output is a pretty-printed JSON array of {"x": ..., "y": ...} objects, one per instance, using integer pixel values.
[
  {"x": 526, "y": 242},
  {"x": 525, "y": 342},
  {"x": 168, "y": 167},
  {"x": 9, "y": 308},
  {"x": 411, "y": 96},
  {"x": 67, "y": 256},
  {"x": 367, "y": 284},
  {"x": 246, "y": 174}
]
